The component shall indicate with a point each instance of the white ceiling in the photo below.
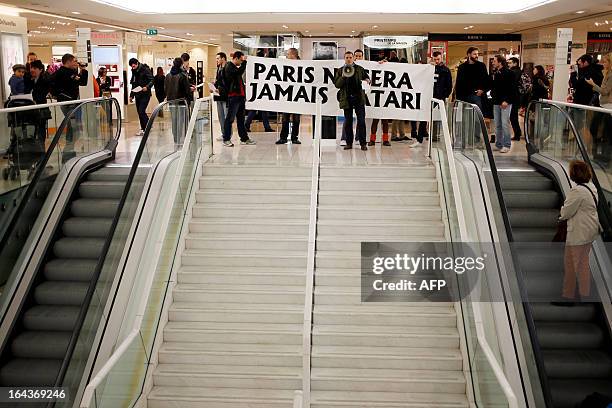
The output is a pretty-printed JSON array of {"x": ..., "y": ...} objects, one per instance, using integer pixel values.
[{"x": 214, "y": 28}]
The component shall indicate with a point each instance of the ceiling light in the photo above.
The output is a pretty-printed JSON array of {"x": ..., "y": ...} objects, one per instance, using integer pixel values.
[
  {"x": 76, "y": 12},
  {"x": 285, "y": 26},
  {"x": 607, "y": 22},
  {"x": 189, "y": 34},
  {"x": 161, "y": 28},
  {"x": 580, "y": 12},
  {"x": 374, "y": 27},
  {"x": 353, "y": 31},
  {"x": 306, "y": 31},
  {"x": 596, "y": 24}
]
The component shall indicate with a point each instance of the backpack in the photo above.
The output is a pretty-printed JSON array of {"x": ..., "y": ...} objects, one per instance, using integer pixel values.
[{"x": 525, "y": 84}]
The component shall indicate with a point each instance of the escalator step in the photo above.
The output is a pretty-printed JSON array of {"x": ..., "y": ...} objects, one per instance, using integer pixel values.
[
  {"x": 29, "y": 372},
  {"x": 569, "y": 335},
  {"x": 61, "y": 293},
  {"x": 532, "y": 199},
  {"x": 41, "y": 344},
  {"x": 79, "y": 248},
  {"x": 51, "y": 318},
  {"x": 534, "y": 234},
  {"x": 102, "y": 189},
  {"x": 577, "y": 364},
  {"x": 526, "y": 183},
  {"x": 110, "y": 173},
  {"x": 77, "y": 270},
  {"x": 533, "y": 217},
  {"x": 84, "y": 227},
  {"x": 551, "y": 313},
  {"x": 94, "y": 208},
  {"x": 568, "y": 393}
]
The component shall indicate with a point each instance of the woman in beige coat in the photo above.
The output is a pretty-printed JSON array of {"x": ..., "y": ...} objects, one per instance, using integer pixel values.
[{"x": 580, "y": 211}]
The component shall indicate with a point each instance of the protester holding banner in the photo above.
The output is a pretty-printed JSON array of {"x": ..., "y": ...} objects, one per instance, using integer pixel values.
[
  {"x": 472, "y": 79},
  {"x": 236, "y": 99},
  {"x": 292, "y": 54},
  {"x": 351, "y": 97}
]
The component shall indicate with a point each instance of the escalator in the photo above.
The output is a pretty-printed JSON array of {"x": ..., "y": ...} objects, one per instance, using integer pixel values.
[
  {"x": 43, "y": 330},
  {"x": 64, "y": 280},
  {"x": 568, "y": 347}
]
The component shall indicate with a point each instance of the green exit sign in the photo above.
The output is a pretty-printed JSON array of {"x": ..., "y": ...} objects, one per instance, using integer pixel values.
[{"x": 151, "y": 31}]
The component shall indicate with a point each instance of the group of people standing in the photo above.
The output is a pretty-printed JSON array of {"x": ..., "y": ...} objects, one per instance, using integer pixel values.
[{"x": 230, "y": 96}]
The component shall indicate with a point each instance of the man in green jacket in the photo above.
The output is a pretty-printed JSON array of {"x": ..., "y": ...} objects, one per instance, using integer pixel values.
[{"x": 351, "y": 97}]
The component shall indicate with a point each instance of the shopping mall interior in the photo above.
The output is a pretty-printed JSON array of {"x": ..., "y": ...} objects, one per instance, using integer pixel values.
[{"x": 199, "y": 209}]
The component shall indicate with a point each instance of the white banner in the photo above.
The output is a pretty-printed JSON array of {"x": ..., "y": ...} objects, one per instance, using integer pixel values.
[{"x": 397, "y": 91}]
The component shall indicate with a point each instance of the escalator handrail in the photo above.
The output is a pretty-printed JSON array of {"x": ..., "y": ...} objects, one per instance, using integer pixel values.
[
  {"x": 539, "y": 359},
  {"x": 42, "y": 165},
  {"x": 93, "y": 283},
  {"x": 49, "y": 105},
  {"x": 119, "y": 352},
  {"x": 601, "y": 198}
]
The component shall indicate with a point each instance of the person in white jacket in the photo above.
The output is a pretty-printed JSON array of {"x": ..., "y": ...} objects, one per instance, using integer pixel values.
[{"x": 580, "y": 212}]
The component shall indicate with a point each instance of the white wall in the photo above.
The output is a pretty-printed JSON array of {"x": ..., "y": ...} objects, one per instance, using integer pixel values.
[{"x": 351, "y": 44}]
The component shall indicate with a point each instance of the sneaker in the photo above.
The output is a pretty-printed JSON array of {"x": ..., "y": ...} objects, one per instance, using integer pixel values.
[
  {"x": 504, "y": 150},
  {"x": 405, "y": 138},
  {"x": 396, "y": 139},
  {"x": 371, "y": 143},
  {"x": 348, "y": 146},
  {"x": 342, "y": 142},
  {"x": 412, "y": 143},
  {"x": 364, "y": 147},
  {"x": 219, "y": 138},
  {"x": 249, "y": 142},
  {"x": 228, "y": 143},
  {"x": 386, "y": 143},
  {"x": 295, "y": 141},
  {"x": 140, "y": 133},
  {"x": 281, "y": 141}
]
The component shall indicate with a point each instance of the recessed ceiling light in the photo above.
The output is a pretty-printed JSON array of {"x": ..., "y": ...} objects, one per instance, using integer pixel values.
[
  {"x": 375, "y": 27},
  {"x": 76, "y": 12},
  {"x": 580, "y": 12},
  {"x": 306, "y": 31},
  {"x": 189, "y": 34},
  {"x": 161, "y": 28},
  {"x": 353, "y": 31},
  {"x": 596, "y": 24},
  {"x": 607, "y": 22},
  {"x": 285, "y": 26}
]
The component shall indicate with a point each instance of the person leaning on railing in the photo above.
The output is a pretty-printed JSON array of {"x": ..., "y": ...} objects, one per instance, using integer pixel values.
[{"x": 580, "y": 212}]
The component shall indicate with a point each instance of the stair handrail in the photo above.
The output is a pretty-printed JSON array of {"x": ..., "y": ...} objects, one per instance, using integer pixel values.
[
  {"x": 529, "y": 319},
  {"x": 478, "y": 320},
  {"x": 50, "y": 105},
  {"x": 120, "y": 351}
]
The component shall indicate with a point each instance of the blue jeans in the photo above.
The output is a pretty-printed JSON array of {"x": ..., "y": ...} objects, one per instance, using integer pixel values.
[
  {"x": 222, "y": 113},
  {"x": 265, "y": 119},
  {"x": 502, "y": 126},
  {"x": 235, "y": 110}
]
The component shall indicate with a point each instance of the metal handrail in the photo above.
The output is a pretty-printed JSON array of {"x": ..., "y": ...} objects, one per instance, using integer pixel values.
[
  {"x": 125, "y": 344},
  {"x": 601, "y": 198},
  {"x": 577, "y": 106},
  {"x": 50, "y": 105},
  {"x": 539, "y": 359},
  {"x": 93, "y": 283},
  {"x": 480, "y": 334}
]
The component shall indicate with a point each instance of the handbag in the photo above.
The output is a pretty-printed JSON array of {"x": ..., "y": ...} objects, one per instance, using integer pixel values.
[{"x": 561, "y": 234}]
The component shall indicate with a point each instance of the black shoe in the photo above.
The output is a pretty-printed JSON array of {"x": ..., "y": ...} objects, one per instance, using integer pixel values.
[
  {"x": 348, "y": 147},
  {"x": 364, "y": 147},
  {"x": 424, "y": 135},
  {"x": 396, "y": 138},
  {"x": 295, "y": 141},
  {"x": 281, "y": 141},
  {"x": 269, "y": 130},
  {"x": 371, "y": 143},
  {"x": 419, "y": 139},
  {"x": 386, "y": 143},
  {"x": 405, "y": 138}
]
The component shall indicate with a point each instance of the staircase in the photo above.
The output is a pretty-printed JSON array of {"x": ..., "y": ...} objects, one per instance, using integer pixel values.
[
  {"x": 39, "y": 341},
  {"x": 388, "y": 355},
  {"x": 234, "y": 335}
]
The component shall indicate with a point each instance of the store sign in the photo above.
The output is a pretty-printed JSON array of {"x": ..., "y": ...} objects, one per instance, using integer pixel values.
[
  {"x": 151, "y": 31},
  {"x": 405, "y": 41},
  {"x": 13, "y": 25},
  {"x": 473, "y": 37},
  {"x": 114, "y": 38},
  {"x": 397, "y": 91},
  {"x": 594, "y": 36}
]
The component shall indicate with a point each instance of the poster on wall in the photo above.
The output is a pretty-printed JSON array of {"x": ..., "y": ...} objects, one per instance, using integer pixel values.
[
  {"x": 324, "y": 50},
  {"x": 397, "y": 91},
  {"x": 12, "y": 53}
]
